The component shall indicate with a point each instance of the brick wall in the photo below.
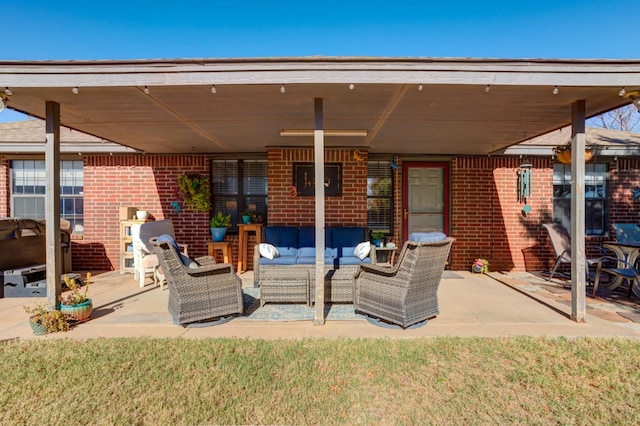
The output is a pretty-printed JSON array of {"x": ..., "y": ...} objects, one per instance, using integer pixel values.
[
  {"x": 350, "y": 209},
  {"x": 487, "y": 217},
  {"x": 623, "y": 178},
  {"x": 144, "y": 181}
]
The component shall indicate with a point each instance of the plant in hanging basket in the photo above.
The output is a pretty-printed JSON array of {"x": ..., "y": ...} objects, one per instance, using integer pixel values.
[
  {"x": 194, "y": 191},
  {"x": 563, "y": 153},
  {"x": 43, "y": 320}
]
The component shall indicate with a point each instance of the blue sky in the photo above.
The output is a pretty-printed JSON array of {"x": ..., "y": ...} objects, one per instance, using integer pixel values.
[{"x": 44, "y": 30}]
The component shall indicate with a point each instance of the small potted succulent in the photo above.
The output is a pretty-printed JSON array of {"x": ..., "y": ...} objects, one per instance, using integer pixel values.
[
  {"x": 246, "y": 216},
  {"x": 219, "y": 224}
]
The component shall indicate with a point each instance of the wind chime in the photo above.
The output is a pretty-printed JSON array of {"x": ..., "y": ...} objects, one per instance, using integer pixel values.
[{"x": 524, "y": 185}]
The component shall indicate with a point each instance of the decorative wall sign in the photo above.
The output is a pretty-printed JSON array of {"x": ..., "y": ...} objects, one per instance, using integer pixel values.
[{"x": 304, "y": 179}]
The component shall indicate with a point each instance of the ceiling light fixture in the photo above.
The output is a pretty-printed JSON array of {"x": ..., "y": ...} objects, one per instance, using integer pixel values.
[
  {"x": 556, "y": 90},
  {"x": 420, "y": 87},
  {"x": 282, "y": 89},
  {"x": 75, "y": 90},
  {"x": 486, "y": 89},
  {"x": 622, "y": 91},
  {"x": 146, "y": 90},
  {"x": 310, "y": 132},
  {"x": 8, "y": 91},
  {"x": 213, "y": 89},
  {"x": 352, "y": 86}
]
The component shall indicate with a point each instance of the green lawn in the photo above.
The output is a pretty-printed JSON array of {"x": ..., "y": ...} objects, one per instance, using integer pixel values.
[{"x": 345, "y": 381}]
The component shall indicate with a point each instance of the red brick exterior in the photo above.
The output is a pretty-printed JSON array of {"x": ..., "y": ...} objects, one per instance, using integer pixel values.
[
  {"x": 144, "y": 181},
  {"x": 486, "y": 216},
  {"x": 350, "y": 209}
]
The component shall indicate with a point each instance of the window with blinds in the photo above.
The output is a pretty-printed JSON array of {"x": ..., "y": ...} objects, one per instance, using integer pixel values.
[
  {"x": 28, "y": 184},
  {"x": 238, "y": 186},
  {"x": 380, "y": 197},
  {"x": 595, "y": 195}
]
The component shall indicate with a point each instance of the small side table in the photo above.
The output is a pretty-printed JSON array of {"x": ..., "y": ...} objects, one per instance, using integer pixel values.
[
  {"x": 225, "y": 246},
  {"x": 243, "y": 242},
  {"x": 388, "y": 256}
]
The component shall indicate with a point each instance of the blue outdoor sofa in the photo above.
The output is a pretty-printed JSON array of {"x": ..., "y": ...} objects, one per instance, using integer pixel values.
[{"x": 296, "y": 251}]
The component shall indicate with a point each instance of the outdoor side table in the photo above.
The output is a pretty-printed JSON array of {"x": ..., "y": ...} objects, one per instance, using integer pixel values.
[
  {"x": 224, "y": 246},
  {"x": 385, "y": 256},
  {"x": 284, "y": 285},
  {"x": 243, "y": 242}
]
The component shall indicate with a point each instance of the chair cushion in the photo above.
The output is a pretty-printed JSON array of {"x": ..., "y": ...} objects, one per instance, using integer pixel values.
[
  {"x": 287, "y": 251},
  {"x": 150, "y": 260},
  {"x": 311, "y": 260},
  {"x": 282, "y": 236},
  {"x": 311, "y": 252},
  {"x": 427, "y": 237},
  {"x": 307, "y": 236},
  {"x": 352, "y": 260},
  {"x": 362, "y": 250},
  {"x": 267, "y": 250},
  {"x": 348, "y": 236},
  {"x": 282, "y": 260}
]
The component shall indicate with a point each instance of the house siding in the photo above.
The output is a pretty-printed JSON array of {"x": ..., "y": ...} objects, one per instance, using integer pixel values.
[
  {"x": 486, "y": 217},
  {"x": 4, "y": 187}
]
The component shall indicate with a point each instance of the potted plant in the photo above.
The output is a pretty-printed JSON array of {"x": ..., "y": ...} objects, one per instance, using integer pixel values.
[
  {"x": 246, "y": 216},
  {"x": 76, "y": 303},
  {"x": 480, "y": 266},
  {"x": 194, "y": 191},
  {"x": 257, "y": 217},
  {"x": 377, "y": 238},
  {"x": 45, "y": 321},
  {"x": 563, "y": 153},
  {"x": 219, "y": 224}
]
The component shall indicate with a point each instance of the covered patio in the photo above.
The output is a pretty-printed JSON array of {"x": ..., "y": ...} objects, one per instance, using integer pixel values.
[
  {"x": 470, "y": 305},
  {"x": 418, "y": 107}
]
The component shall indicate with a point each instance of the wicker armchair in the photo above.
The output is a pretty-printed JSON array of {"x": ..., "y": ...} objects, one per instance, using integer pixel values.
[
  {"x": 200, "y": 291},
  {"x": 407, "y": 293}
]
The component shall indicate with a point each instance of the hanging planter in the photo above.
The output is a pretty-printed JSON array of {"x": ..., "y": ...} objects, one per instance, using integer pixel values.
[
  {"x": 563, "y": 153},
  {"x": 194, "y": 191}
]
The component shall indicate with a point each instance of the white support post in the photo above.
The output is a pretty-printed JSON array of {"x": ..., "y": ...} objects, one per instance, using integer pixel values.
[
  {"x": 578, "y": 258},
  {"x": 318, "y": 143},
  {"x": 52, "y": 204}
]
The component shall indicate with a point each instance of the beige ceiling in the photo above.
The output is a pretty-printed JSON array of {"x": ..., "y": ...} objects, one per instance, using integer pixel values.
[{"x": 452, "y": 114}]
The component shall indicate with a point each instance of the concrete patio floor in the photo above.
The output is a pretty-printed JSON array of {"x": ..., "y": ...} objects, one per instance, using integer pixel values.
[{"x": 476, "y": 305}]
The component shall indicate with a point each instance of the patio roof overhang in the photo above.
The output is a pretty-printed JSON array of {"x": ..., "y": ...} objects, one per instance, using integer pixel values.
[{"x": 406, "y": 105}]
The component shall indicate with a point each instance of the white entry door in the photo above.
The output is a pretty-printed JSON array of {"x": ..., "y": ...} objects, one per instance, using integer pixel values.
[{"x": 426, "y": 198}]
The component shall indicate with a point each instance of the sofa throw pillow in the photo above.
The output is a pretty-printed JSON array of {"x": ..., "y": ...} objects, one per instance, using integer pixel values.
[
  {"x": 362, "y": 250},
  {"x": 267, "y": 250}
]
